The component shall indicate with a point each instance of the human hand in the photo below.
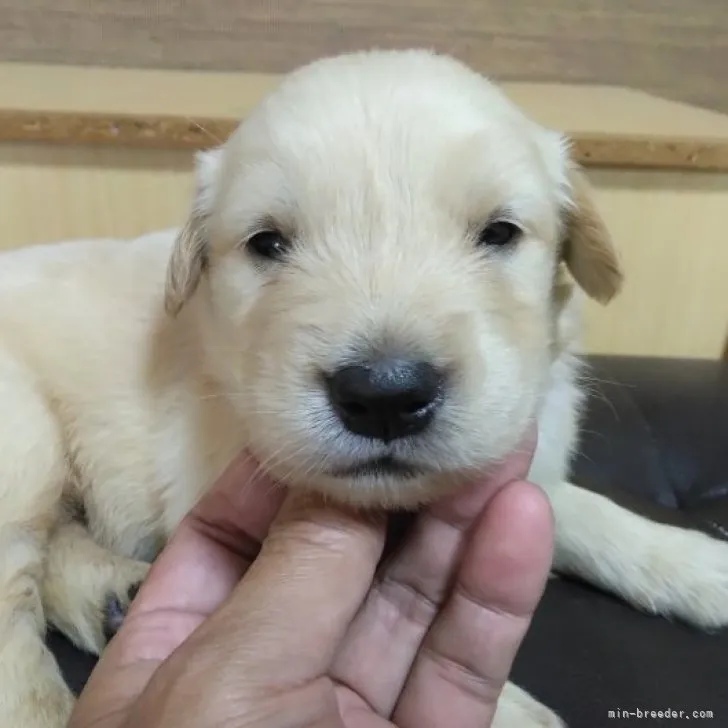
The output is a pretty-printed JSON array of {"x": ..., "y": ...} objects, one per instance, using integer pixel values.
[{"x": 305, "y": 633}]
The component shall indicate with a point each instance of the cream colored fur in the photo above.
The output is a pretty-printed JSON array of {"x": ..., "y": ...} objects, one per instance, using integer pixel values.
[{"x": 131, "y": 372}]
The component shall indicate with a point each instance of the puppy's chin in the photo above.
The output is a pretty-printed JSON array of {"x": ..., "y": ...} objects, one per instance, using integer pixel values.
[{"x": 369, "y": 485}]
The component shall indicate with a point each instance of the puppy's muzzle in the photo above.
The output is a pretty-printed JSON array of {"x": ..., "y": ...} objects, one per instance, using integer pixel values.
[{"x": 386, "y": 399}]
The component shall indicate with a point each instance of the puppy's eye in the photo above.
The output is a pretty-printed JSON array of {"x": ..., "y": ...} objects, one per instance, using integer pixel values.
[
  {"x": 268, "y": 244},
  {"x": 499, "y": 234}
]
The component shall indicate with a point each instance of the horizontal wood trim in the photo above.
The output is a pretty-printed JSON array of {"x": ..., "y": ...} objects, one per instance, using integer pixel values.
[
  {"x": 609, "y": 126},
  {"x": 144, "y": 130},
  {"x": 172, "y": 132},
  {"x": 640, "y": 152}
]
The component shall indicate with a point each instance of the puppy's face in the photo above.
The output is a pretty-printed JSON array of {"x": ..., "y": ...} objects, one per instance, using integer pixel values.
[{"x": 373, "y": 258}]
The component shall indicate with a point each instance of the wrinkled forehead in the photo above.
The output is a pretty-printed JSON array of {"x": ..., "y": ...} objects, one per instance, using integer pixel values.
[{"x": 409, "y": 148}]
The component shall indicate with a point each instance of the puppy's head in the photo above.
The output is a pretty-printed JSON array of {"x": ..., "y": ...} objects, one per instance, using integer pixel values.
[{"x": 373, "y": 258}]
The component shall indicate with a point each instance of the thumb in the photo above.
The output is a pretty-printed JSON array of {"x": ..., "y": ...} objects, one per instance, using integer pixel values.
[
  {"x": 204, "y": 560},
  {"x": 266, "y": 647},
  {"x": 313, "y": 572}
]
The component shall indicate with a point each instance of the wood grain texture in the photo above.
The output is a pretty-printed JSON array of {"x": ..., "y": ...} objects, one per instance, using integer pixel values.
[
  {"x": 51, "y": 193},
  {"x": 673, "y": 48},
  {"x": 669, "y": 228}
]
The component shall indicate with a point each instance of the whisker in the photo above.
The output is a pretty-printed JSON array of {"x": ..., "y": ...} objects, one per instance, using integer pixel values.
[{"x": 203, "y": 129}]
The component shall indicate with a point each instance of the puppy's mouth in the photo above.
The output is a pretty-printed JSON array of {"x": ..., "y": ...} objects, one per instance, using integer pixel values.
[{"x": 386, "y": 465}]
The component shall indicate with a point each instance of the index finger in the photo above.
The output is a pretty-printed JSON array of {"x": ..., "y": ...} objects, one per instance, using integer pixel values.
[
  {"x": 467, "y": 655},
  {"x": 383, "y": 640}
]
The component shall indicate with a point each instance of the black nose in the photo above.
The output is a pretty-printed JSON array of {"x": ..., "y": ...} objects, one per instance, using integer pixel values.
[{"x": 386, "y": 399}]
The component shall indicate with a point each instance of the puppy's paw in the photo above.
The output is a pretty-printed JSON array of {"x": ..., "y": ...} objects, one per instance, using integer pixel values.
[
  {"x": 688, "y": 579},
  {"x": 90, "y": 609},
  {"x": 116, "y": 609},
  {"x": 518, "y": 709},
  {"x": 111, "y": 606}
]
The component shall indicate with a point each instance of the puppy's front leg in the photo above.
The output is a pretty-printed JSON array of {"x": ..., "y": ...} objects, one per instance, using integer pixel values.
[
  {"x": 518, "y": 709},
  {"x": 33, "y": 693},
  {"x": 658, "y": 568},
  {"x": 87, "y": 588}
]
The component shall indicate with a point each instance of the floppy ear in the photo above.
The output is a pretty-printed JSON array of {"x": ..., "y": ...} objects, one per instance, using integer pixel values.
[
  {"x": 587, "y": 248},
  {"x": 191, "y": 248}
]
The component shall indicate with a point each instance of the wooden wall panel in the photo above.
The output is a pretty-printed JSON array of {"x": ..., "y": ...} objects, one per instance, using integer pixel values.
[
  {"x": 52, "y": 193},
  {"x": 669, "y": 228},
  {"x": 675, "y": 48}
]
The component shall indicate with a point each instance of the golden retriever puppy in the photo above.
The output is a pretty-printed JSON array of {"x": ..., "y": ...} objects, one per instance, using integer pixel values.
[{"x": 372, "y": 293}]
